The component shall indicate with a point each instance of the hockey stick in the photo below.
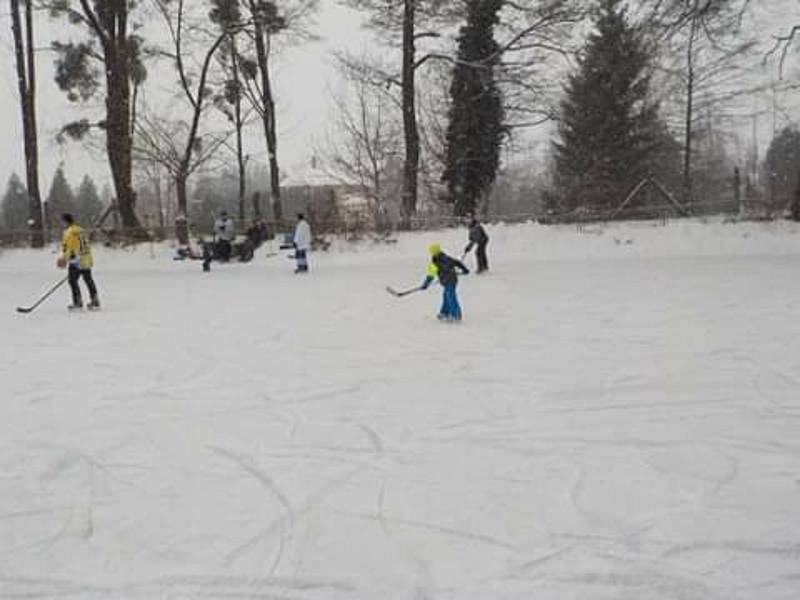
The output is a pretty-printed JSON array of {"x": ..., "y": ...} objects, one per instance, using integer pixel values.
[
  {"x": 397, "y": 294},
  {"x": 38, "y": 303}
]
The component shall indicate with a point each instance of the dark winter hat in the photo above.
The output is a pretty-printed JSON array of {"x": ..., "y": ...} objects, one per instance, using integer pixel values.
[
  {"x": 68, "y": 218},
  {"x": 301, "y": 216}
]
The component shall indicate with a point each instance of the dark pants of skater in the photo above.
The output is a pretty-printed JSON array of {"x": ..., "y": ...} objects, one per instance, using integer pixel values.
[
  {"x": 75, "y": 273},
  {"x": 451, "y": 309},
  {"x": 224, "y": 250},
  {"x": 302, "y": 261},
  {"x": 483, "y": 260}
]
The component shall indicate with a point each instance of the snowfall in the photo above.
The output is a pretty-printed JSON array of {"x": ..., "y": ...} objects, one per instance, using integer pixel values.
[{"x": 618, "y": 417}]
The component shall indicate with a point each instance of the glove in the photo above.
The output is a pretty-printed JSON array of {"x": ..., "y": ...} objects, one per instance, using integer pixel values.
[
  {"x": 61, "y": 262},
  {"x": 427, "y": 283}
]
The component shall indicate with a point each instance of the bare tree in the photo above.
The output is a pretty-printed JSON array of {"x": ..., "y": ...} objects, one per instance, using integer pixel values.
[
  {"x": 230, "y": 103},
  {"x": 531, "y": 37},
  {"x": 703, "y": 38},
  {"x": 434, "y": 104},
  {"x": 263, "y": 23},
  {"x": 365, "y": 138},
  {"x": 26, "y": 79},
  {"x": 163, "y": 142},
  {"x": 537, "y": 41},
  {"x": 410, "y": 21},
  {"x": 149, "y": 179},
  {"x": 181, "y": 148}
]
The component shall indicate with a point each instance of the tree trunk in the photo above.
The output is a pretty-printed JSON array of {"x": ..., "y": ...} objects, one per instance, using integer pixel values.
[
  {"x": 159, "y": 200},
  {"x": 690, "y": 80},
  {"x": 118, "y": 134},
  {"x": 242, "y": 177},
  {"x": 795, "y": 212},
  {"x": 26, "y": 78},
  {"x": 275, "y": 188},
  {"x": 182, "y": 219},
  {"x": 410, "y": 128},
  {"x": 239, "y": 122},
  {"x": 267, "y": 111},
  {"x": 256, "y": 199}
]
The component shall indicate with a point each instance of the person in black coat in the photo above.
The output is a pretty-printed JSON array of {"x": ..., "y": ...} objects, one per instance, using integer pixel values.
[{"x": 478, "y": 237}]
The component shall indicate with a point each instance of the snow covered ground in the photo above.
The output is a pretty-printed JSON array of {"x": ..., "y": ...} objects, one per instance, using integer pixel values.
[{"x": 617, "y": 418}]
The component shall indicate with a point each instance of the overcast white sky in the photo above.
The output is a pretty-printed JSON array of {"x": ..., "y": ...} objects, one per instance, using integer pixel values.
[{"x": 304, "y": 76}]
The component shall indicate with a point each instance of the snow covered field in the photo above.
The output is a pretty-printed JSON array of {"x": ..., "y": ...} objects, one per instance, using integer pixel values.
[{"x": 617, "y": 418}]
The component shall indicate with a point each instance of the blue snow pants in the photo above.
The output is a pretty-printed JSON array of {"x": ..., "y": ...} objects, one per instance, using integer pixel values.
[{"x": 451, "y": 309}]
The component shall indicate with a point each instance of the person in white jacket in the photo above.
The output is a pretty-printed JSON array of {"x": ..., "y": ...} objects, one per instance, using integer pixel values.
[
  {"x": 225, "y": 234},
  {"x": 302, "y": 244}
]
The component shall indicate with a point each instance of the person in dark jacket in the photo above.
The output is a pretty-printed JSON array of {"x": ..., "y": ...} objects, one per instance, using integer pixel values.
[
  {"x": 478, "y": 237},
  {"x": 445, "y": 268}
]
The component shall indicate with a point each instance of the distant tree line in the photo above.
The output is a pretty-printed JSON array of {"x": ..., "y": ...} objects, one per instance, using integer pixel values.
[
  {"x": 84, "y": 202},
  {"x": 439, "y": 119}
]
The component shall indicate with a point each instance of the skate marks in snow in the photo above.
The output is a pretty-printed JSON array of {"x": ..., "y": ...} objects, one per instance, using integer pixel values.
[
  {"x": 463, "y": 535},
  {"x": 286, "y": 524},
  {"x": 789, "y": 550},
  {"x": 374, "y": 438},
  {"x": 189, "y": 586},
  {"x": 607, "y": 566},
  {"x": 424, "y": 577},
  {"x": 299, "y": 514},
  {"x": 640, "y": 581},
  {"x": 780, "y": 391},
  {"x": 68, "y": 474},
  {"x": 705, "y": 464}
]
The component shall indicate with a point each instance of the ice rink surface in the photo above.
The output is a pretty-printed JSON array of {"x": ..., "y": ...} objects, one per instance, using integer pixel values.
[{"x": 618, "y": 417}]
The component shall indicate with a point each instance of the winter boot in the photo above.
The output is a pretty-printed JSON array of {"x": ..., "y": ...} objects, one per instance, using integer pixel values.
[
  {"x": 94, "y": 304},
  {"x": 75, "y": 306}
]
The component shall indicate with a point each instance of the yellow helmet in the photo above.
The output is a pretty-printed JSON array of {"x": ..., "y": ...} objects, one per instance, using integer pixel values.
[{"x": 435, "y": 249}]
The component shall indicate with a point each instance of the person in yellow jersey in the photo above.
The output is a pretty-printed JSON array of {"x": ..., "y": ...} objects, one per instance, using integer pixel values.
[
  {"x": 76, "y": 256},
  {"x": 445, "y": 268}
]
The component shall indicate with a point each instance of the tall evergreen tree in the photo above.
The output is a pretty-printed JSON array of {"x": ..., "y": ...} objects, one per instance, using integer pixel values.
[
  {"x": 15, "y": 205},
  {"x": 610, "y": 133},
  {"x": 87, "y": 201},
  {"x": 60, "y": 199},
  {"x": 475, "y": 131},
  {"x": 780, "y": 166}
]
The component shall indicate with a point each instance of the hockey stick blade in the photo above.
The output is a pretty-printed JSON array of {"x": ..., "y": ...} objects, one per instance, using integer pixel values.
[
  {"x": 39, "y": 302},
  {"x": 397, "y": 294}
]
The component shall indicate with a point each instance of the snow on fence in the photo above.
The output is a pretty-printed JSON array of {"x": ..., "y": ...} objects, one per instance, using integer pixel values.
[{"x": 355, "y": 227}]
